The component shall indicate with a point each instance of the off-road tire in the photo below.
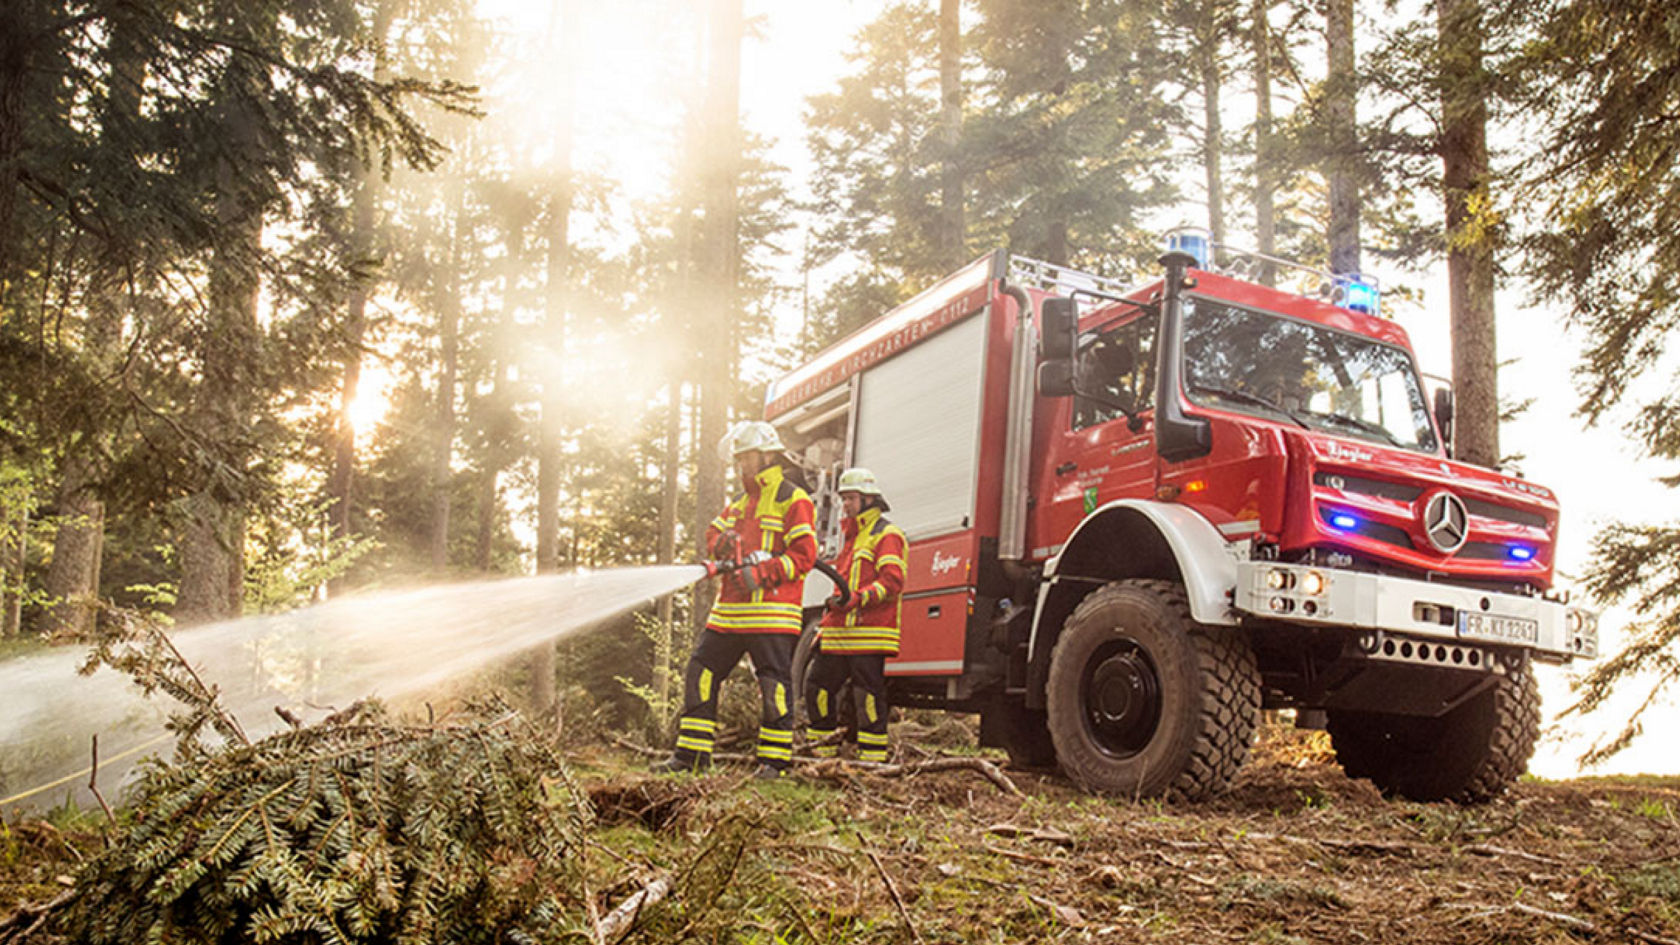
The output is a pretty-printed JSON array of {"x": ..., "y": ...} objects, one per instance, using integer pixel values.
[
  {"x": 1469, "y": 755},
  {"x": 1134, "y": 641},
  {"x": 1025, "y": 734}
]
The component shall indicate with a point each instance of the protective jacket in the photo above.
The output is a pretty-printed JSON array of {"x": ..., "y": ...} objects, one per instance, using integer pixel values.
[
  {"x": 774, "y": 516},
  {"x": 872, "y": 561}
]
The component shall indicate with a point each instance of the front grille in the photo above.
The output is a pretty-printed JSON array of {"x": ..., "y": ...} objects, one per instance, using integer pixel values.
[
  {"x": 1482, "y": 551},
  {"x": 1502, "y": 513},
  {"x": 1400, "y": 492}
]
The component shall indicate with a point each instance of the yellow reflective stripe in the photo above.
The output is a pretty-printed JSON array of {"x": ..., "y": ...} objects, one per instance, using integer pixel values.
[
  {"x": 782, "y": 703},
  {"x": 889, "y": 559},
  {"x": 780, "y": 736},
  {"x": 787, "y": 566},
  {"x": 877, "y": 755},
  {"x": 869, "y": 709},
  {"x": 701, "y": 745},
  {"x": 698, "y": 725},
  {"x": 872, "y": 738},
  {"x": 758, "y": 608},
  {"x": 775, "y": 754},
  {"x": 705, "y": 685},
  {"x": 800, "y": 529},
  {"x": 818, "y": 734},
  {"x": 822, "y": 705}
]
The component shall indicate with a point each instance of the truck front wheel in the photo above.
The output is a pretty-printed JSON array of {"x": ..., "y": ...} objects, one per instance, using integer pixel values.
[
  {"x": 1144, "y": 701},
  {"x": 1469, "y": 755}
]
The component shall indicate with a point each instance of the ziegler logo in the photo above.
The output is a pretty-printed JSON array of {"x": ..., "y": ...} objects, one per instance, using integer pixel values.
[
  {"x": 943, "y": 562},
  {"x": 1351, "y": 454}
]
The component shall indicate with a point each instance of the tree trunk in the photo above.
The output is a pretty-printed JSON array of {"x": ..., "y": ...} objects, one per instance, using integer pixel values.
[
  {"x": 719, "y": 248},
  {"x": 15, "y": 561},
  {"x": 1265, "y": 174},
  {"x": 1342, "y": 166},
  {"x": 443, "y": 433},
  {"x": 17, "y": 44},
  {"x": 1213, "y": 131},
  {"x": 953, "y": 234},
  {"x": 362, "y": 251},
  {"x": 668, "y": 540},
  {"x": 551, "y": 427},
  {"x": 1471, "y": 230},
  {"x": 72, "y": 582},
  {"x": 212, "y": 546}
]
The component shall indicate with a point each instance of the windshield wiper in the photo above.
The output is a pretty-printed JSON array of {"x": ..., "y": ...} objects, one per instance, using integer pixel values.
[
  {"x": 1243, "y": 396},
  {"x": 1359, "y": 424}
]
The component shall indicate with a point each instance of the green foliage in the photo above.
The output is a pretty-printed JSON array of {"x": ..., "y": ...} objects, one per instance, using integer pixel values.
[
  {"x": 1606, "y": 77},
  {"x": 359, "y": 829}
]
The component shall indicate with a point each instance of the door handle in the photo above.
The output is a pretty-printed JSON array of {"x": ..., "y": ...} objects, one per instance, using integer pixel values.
[{"x": 1066, "y": 468}]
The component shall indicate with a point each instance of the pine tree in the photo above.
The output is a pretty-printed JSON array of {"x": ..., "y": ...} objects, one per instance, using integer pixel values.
[{"x": 1606, "y": 77}]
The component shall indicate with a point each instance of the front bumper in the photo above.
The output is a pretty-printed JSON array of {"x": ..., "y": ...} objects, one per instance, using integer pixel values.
[{"x": 1314, "y": 596}]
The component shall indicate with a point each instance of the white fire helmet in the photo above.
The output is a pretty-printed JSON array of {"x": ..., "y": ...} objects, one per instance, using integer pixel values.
[
  {"x": 858, "y": 479},
  {"x": 750, "y": 435}
]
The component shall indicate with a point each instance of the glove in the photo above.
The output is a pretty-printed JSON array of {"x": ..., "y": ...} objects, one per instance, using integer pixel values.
[
  {"x": 768, "y": 573},
  {"x": 834, "y": 604},
  {"x": 724, "y": 546}
]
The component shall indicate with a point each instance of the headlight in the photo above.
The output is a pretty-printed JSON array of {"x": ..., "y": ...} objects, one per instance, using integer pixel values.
[
  {"x": 1313, "y": 583},
  {"x": 1574, "y": 621},
  {"x": 1278, "y": 579}
]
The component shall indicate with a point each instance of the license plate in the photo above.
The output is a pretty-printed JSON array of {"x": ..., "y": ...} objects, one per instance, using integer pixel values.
[{"x": 1501, "y": 629}]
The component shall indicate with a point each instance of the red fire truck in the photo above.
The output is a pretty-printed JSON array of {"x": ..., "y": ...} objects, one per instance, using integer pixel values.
[{"x": 1139, "y": 516}]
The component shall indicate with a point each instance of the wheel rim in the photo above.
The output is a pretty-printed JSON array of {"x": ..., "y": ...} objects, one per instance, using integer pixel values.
[{"x": 1121, "y": 698}]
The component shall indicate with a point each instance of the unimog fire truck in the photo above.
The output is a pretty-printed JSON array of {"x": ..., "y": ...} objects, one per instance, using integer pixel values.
[{"x": 1140, "y": 516}]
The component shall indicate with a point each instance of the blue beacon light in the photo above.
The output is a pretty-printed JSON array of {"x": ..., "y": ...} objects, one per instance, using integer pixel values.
[
  {"x": 1361, "y": 295},
  {"x": 1344, "y": 521},
  {"x": 1521, "y": 553}
]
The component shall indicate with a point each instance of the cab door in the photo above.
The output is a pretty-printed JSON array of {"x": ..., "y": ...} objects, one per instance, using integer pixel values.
[{"x": 1093, "y": 454}]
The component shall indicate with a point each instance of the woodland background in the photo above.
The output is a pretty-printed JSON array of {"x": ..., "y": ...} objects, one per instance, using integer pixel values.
[{"x": 216, "y": 215}]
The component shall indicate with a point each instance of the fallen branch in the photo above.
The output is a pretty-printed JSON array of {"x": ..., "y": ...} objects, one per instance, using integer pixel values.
[
  {"x": 1488, "y": 849},
  {"x": 1023, "y": 857},
  {"x": 1586, "y": 926},
  {"x": 93, "y": 783},
  {"x": 623, "y": 918},
  {"x": 29, "y": 917},
  {"x": 990, "y": 771},
  {"x": 892, "y": 890}
]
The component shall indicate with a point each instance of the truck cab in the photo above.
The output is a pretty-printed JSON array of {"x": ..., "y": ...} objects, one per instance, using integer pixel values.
[{"x": 1140, "y": 515}]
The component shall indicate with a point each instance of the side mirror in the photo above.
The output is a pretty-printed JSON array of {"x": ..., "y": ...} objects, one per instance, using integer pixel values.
[
  {"x": 1444, "y": 414},
  {"x": 1055, "y": 378},
  {"x": 1061, "y": 328}
]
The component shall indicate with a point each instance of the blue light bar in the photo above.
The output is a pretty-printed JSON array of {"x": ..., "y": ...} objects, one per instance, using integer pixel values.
[
  {"x": 1188, "y": 239},
  {"x": 1521, "y": 553},
  {"x": 1344, "y": 521},
  {"x": 1360, "y": 294}
]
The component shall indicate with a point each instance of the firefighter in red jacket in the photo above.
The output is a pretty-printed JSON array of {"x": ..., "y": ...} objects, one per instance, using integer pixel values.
[
  {"x": 758, "y": 611},
  {"x": 857, "y": 639}
]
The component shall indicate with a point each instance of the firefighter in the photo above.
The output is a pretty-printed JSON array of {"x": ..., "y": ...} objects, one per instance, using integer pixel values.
[
  {"x": 769, "y": 529},
  {"x": 857, "y": 639}
]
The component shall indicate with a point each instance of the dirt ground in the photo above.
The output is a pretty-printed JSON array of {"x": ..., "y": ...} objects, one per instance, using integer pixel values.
[{"x": 1297, "y": 852}]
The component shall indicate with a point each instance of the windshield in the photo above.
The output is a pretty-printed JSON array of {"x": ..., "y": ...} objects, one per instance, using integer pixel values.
[{"x": 1316, "y": 377}]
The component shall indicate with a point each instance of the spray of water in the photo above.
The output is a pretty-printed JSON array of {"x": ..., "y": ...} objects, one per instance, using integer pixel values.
[{"x": 387, "y": 645}]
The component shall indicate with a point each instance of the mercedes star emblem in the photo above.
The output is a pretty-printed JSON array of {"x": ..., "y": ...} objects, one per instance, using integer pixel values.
[{"x": 1446, "y": 522}]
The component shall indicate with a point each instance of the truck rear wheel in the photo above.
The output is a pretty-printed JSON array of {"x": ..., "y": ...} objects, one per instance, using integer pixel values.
[
  {"x": 1469, "y": 755},
  {"x": 1144, "y": 701}
]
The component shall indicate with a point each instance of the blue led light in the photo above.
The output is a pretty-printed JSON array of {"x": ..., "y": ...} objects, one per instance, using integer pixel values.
[
  {"x": 1521, "y": 553},
  {"x": 1188, "y": 239},
  {"x": 1344, "y": 521},
  {"x": 1361, "y": 296}
]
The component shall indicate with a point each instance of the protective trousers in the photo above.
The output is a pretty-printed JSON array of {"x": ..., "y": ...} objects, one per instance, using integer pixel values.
[
  {"x": 714, "y": 658},
  {"x": 829, "y": 672}
]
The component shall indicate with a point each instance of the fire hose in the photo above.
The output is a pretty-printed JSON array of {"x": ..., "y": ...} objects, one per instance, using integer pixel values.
[{"x": 743, "y": 567}]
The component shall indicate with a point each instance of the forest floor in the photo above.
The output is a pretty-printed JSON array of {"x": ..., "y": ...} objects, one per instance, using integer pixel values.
[{"x": 1297, "y": 852}]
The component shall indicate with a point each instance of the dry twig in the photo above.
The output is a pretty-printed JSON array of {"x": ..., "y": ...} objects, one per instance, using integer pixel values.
[
  {"x": 623, "y": 918},
  {"x": 892, "y": 889}
]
